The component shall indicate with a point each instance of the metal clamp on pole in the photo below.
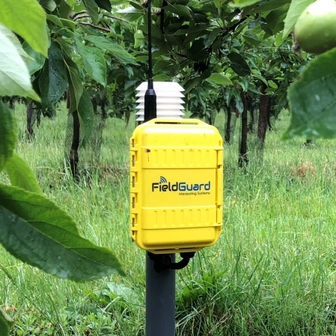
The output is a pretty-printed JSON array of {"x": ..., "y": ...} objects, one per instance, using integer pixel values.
[{"x": 164, "y": 261}]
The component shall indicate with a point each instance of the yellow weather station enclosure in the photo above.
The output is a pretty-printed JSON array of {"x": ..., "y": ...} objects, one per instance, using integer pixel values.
[{"x": 176, "y": 185}]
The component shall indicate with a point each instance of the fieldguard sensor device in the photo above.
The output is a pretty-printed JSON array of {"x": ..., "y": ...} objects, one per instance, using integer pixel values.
[{"x": 176, "y": 185}]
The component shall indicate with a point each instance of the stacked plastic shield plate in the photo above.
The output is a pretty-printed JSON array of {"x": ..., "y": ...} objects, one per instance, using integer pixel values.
[{"x": 169, "y": 102}]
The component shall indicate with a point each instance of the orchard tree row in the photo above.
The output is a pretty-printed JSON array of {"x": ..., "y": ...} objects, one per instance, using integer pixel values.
[{"x": 225, "y": 56}]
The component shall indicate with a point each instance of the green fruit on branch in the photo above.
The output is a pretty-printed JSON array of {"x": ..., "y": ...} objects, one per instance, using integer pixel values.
[{"x": 315, "y": 29}]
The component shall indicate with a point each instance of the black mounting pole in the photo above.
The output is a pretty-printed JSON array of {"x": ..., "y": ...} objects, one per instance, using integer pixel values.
[
  {"x": 160, "y": 299},
  {"x": 150, "y": 95},
  {"x": 160, "y": 285}
]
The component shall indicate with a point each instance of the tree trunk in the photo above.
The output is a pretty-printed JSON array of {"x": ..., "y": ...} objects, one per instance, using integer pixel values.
[
  {"x": 30, "y": 121},
  {"x": 271, "y": 104},
  {"x": 127, "y": 116},
  {"x": 68, "y": 98},
  {"x": 103, "y": 108},
  {"x": 228, "y": 127},
  {"x": 74, "y": 157},
  {"x": 263, "y": 115},
  {"x": 94, "y": 104},
  {"x": 38, "y": 118},
  {"x": 162, "y": 15},
  {"x": 11, "y": 103},
  {"x": 251, "y": 123},
  {"x": 243, "y": 158}
]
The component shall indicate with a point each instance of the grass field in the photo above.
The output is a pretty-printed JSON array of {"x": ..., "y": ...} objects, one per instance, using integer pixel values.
[{"x": 272, "y": 272}]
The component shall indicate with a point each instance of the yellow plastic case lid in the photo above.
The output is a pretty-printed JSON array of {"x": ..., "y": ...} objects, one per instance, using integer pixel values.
[{"x": 176, "y": 185}]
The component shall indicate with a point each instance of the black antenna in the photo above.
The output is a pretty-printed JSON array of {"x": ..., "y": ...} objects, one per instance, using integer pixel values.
[{"x": 150, "y": 95}]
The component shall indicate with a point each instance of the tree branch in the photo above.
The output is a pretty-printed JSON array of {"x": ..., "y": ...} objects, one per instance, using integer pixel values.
[{"x": 96, "y": 27}]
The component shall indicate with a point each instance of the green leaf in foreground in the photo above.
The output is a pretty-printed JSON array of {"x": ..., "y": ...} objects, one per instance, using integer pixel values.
[
  {"x": 53, "y": 79},
  {"x": 92, "y": 9},
  {"x": 5, "y": 323},
  {"x": 270, "y": 5},
  {"x": 36, "y": 231},
  {"x": 105, "y": 4},
  {"x": 21, "y": 175},
  {"x": 219, "y": 78},
  {"x": 94, "y": 61},
  {"x": 27, "y": 19},
  {"x": 244, "y": 3},
  {"x": 86, "y": 115},
  {"x": 238, "y": 64},
  {"x": 180, "y": 10},
  {"x": 295, "y": 9},
  {"x": 7, "y": 134},
  {"x": 14, "y": 75},
  {"x": 75, "y": 84},
  {"x": 312, "y": 100},
  {"x": 49, "y": 5},
  {"x": 115, "y": 49},
  {"x": 36, "y": 60},
  {"x": 15, "y": 41}
]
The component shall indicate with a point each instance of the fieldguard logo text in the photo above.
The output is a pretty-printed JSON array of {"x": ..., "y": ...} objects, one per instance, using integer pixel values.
[{"x": 182, "y": 187}]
